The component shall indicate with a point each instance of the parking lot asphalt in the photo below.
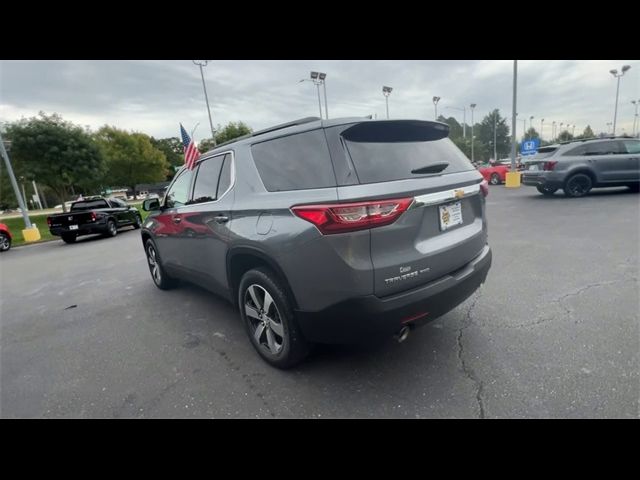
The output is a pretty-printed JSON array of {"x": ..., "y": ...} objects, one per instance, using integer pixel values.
[{"x": 553, "y": 333}]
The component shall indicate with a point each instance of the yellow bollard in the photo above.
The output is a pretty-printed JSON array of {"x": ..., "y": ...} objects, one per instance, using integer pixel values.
[
  {"x": 31, "y": 234},
  {"x": 512, "y": 180}
]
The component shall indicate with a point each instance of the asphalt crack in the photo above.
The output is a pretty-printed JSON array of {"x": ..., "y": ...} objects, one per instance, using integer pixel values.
[{"x": 466, "y": 369}]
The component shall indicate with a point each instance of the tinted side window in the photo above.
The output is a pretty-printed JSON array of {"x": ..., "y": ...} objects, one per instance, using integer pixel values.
[
  {"x": 225, "y": 176},
  {"x": 206, "y": 184},
  {"x": 296, "y": 162},
  {"x": 632, "y": 146},
  {"x": 575, "y": 152},
  {"x": 602, "y": 148},
  {"x": 178, "y": 194}
]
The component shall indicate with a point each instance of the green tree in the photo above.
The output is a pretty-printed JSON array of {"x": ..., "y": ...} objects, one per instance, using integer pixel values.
[
  {"x": 455, "y": 129},
  {"x": 587, "y": 133},
  {"x": 531, "y": 133},
  {"x": 131, "y": 158},
  {"x": 565, "y": 136},
  {"x": 173, "y": 150},
  {"x": 224, "y": 134},
  {"x": 484, "y": 133},
  {"x": 55, "y": 153}
]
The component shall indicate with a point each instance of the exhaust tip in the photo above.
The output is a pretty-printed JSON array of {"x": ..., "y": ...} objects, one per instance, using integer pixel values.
[{"x": 402, "y": 335}]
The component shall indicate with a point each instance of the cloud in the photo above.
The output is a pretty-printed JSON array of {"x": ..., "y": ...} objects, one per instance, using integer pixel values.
[{"x": 154, "y": 96}]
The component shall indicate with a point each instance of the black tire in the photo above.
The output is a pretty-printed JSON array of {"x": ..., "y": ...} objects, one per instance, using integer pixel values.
[
  {"x": 112, "y": 229},
  {"x": 160, "y": 277},
  {"x": 137, "y": 222},
  {"x": 546, "y": 190},
  {"x": 578, "y": 185},
  {"x": 5, "y": 242},
  {"x": 635, "y": 188},
  {"x": 494, "y": 179},
  {"x": 69, "y": 238},
  {"x": 277, "y": 323}
]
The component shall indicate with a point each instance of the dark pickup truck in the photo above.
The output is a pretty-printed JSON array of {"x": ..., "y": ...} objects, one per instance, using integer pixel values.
[{"x": 94, "y": 215}]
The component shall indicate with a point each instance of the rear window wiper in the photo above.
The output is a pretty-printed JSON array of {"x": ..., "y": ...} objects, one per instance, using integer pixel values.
[{"x": 433, "y": 168}]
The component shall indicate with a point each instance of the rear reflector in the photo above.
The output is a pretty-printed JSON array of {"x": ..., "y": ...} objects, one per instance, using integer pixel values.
[
  {"x": 484, "y": 188},
  {"x": 349, "y": 217}
]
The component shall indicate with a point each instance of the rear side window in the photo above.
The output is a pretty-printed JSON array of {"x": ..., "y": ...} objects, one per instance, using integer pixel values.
[
  {"x": 602, "y": 148},
  {"x": 225, "y": 176},
  {"x": 89, "y": 205},
  {"x": 632, "y": 146},
  {"x": 295, "y": 162},
  {"x": 386, "y": 161},
  {"x": 206, "y": 183}
]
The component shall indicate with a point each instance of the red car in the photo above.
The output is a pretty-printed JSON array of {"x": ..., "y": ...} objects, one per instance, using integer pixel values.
[
  {"x": 5, "y": 238},
  {"x": 495, "y": 175}
]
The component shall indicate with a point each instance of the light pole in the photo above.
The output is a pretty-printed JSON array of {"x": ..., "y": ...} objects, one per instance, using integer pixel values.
[
  {"x": 560, "y": 133},
  {"x": 618, "y": 76},
  {"x": 322, "y": 76},
  {"x": 464, "y": 119},
  {"x": 16, "y": 189},
  {"x": 316, "y": 81},
  {"x": 608, "y": 125},
  {"x": 386, "y": 91},
  {"x": 513, "y": 118},
  {"x": 541, "y": 125},
  {"x": 635, "y": 117},
  {"x": 553, "y": 131},
  {"x": 206, "y": 97},
  {"x": 495, "y": 125},
  {"x": 435, "y": 104},
  {"x": 472, "y": 106},
  {"x": 573, "y": 130}
]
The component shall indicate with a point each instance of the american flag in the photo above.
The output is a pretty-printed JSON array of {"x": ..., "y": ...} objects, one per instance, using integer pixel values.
[{"x": 191, "y": 153}]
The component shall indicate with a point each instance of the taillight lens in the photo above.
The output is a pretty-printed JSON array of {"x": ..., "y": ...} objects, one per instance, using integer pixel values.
[
  {"x": 93, "y": 216},
  {"x": 484, "y": 188},
  {"x": 349, "y": 217},
  {"x": 550, "y": 165},
  {"x": 49, "y": 221}
]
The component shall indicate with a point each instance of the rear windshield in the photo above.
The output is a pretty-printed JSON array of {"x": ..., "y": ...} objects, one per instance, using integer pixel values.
[
  {"x": 543, "y": 152},
  {"x": 89, "y": 205},
  {"x": 386, "y": 161}
]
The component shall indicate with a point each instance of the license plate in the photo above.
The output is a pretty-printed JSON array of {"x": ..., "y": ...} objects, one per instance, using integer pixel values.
[
  {"x": 450, "y": 215},
  {"x": 73, "y": 227}
]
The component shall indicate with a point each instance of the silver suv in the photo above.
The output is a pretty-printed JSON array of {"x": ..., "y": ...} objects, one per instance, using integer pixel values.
[
  {"x": 581, "y": 165},
  {"x": 326, "y": 231}
]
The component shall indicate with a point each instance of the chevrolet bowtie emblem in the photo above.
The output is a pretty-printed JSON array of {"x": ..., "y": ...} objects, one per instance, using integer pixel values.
[{"x": 459, "y": 193}]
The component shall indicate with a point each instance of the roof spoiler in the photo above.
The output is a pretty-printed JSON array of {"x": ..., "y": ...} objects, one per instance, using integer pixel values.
[{"x": 395, "y": 131}]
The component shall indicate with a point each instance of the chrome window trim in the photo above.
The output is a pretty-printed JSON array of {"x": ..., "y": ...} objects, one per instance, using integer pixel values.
[
  {"x": 445, "y": 196},
  {"x": 231, "y": 185}
]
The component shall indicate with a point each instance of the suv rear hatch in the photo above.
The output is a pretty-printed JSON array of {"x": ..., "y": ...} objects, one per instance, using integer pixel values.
[
  {"x": 542, "y": 160},
  {"x": 442, "y": 228}
]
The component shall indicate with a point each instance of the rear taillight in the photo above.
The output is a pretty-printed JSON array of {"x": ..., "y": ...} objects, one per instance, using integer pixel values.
[
  {"x": 93, "y": 216},
  {"x": 484, "y": 188},
  {"x": 49, "y": 221},
  {"x": 550, "y": 165},
  {"x": 349, "y": 217}
]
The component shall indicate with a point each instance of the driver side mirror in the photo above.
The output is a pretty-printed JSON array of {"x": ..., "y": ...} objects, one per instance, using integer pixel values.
[{"x": 151, "y": 204}]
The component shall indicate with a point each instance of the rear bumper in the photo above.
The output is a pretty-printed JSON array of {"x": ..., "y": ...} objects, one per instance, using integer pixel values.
[
  {"x": 364, "y": 318},
  {"x": 87, "y": 229},
  {"x": 547, "y": 179}
]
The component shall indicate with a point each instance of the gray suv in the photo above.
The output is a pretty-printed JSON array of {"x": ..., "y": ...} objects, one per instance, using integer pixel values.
[
  {"x": 326, "y": 231},
  {"x": 581, "y": 165}
]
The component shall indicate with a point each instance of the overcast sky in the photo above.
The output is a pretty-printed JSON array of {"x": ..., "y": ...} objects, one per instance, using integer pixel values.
[{"x": 153, "y": 96}]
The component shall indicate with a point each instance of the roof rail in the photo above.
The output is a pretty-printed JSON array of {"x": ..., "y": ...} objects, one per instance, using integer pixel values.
[
  {"x": 272, "y": 129},
  {"x": 606, "y": 137}
]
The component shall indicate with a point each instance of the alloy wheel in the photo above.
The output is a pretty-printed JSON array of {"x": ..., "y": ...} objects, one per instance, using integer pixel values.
[
  {"x": 264, "y": 319},
  {"x": 153, "y": 264}
]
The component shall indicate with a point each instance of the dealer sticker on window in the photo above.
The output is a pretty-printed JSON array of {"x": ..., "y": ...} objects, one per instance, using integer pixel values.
[{"x": 450, "y": 215}]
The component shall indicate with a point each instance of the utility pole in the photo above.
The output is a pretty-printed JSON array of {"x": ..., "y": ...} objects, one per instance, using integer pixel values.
[
  {"x": 513, "y": 177},
  {"x": 206, "y": 97},
  {"x": 28, "y": 233}
]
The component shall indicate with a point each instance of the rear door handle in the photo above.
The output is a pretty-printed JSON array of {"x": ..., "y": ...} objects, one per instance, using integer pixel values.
[{"x": 221, "y": 219}]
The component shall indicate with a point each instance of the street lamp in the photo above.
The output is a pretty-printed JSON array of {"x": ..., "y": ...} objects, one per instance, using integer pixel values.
[
  {"x": 435, "y": 104},
  {"x": 618, "y": 76},
  {"x": 495, "y": 125},
  {"x": 322, "y": 76},
  {"x": 464, "y": 119},
  {"x": 530, "y": 122},
  {"x": 206, "y": 98},
  {"x": 635, "y": 117},
  {"x": 553, "y": 131},
  {"x": 315, "y": 78},
  {"x": 473, "y": 105},
  {"x": 608, "y": 125},
  {"x": 541, "y": 126},
  {"x": 573, "y": 130},
  {"x": 386, "y": 91}
]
